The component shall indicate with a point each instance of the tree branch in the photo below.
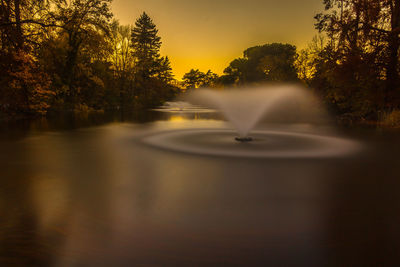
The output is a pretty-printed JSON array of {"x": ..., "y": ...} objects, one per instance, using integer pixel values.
[{"x": 30, "y": 21}]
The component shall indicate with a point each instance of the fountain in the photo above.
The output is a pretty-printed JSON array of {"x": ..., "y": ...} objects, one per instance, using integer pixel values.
[
  {"x": 182, "y": 107},
  {"x": 244, "y": 108}
]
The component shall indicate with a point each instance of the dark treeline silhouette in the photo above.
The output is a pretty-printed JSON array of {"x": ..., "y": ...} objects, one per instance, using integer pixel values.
[
  {"x": 266, "y": 63},
  {"x": 196, "y": 79},
  {"x": 70, "y": 55},
  {"x": 353, "y": 64},
  {"x": 356, "y": 70},
  {"x": 269, "y": 62}
]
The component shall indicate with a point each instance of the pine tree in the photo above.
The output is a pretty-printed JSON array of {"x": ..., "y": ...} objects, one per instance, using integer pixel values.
[
  {"x": 146, "y": 45},
  {"x": 165, "y": 70}
]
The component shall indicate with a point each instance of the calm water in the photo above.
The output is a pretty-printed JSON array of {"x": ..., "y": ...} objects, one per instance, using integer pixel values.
[{"x": 87, "y": 192}]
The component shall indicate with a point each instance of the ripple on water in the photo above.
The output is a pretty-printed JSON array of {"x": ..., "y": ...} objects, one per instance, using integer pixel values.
[{"x": 265, "y": 144}]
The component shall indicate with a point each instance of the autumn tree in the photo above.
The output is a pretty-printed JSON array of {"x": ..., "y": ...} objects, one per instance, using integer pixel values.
[
  {"x": 80, "y": 21},
  {"x": 362, "y": 52},
  {"x": 24, "y": 87},
  {"x": 62, "y": 55},
  {"x": 23, "y": 23}
]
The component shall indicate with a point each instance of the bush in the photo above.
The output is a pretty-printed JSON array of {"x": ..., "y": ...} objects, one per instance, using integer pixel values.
[{"x": 391, "y": 119}]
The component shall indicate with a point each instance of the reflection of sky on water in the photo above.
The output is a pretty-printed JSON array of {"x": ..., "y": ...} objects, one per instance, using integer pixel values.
[{"x": 100, "y": 197}]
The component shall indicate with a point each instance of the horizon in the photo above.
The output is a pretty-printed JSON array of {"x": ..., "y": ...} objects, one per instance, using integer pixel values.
[{"x": 222, "y": 32}]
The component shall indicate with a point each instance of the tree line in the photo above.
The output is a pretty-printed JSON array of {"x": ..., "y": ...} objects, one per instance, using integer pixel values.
[
  {"x": 356, "y": 68},
  {"x": 352, "y": 64},
  {"x": 269, "y": 62},
  {"x": 71, "y": 55}
]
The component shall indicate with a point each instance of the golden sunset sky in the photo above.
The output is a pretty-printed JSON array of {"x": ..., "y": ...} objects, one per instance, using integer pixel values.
[{"x": 208, "y": 34}]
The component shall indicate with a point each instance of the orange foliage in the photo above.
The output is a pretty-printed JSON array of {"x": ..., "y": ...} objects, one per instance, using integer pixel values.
[{"x": 25, "y": 87}]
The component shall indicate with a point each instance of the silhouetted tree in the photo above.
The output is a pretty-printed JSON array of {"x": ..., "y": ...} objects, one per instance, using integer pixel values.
[
  {"x": 269, "y": 62},
  {"x": 196, "y": 79},
  {"x": 358, "y": 71},
  {"x": 193, "y": 79},
  {"x": 210, "y": 79},
  {"x": 307, "y": 59},
  {"x": 165, "y": 70},
  {"x": 146, "y": 46},
  {"x": 152, "y": 72}
]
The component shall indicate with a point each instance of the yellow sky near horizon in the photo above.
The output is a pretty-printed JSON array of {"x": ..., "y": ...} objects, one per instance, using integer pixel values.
[{"x": 209, "y": 34}]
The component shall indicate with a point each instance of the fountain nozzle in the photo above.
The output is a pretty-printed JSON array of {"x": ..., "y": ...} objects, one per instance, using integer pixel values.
[{"x": 244, "y": 139}]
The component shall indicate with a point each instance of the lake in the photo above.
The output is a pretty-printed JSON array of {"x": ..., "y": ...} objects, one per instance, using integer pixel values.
[{"x": 89, "y": 191}]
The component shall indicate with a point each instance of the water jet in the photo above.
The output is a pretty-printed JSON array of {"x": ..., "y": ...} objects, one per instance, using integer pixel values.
[{"x": 245, "y": 107}]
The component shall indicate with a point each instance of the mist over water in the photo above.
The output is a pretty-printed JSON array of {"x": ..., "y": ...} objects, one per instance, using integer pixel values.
[
  {"x": 254, "y": 113},
  {"x": 90, "y": 192},
  {"x": 245, "y": 107}
]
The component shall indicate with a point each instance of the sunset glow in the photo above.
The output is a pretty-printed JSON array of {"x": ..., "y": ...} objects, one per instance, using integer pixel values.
[{"x": 209, "y": 34}]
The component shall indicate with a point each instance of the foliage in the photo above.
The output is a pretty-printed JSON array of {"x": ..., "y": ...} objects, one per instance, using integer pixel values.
[
  {"x": 146, "y": 46},
  {"x": 122, "y": 62},
  {"x": 82, "y": 21},
  {"x": 307, "y": 58},
  {"x": 164, "y": 72},
  {"x": 69, "y": 55},
  {"x": 196, "y": 79},
  {"x": 391, "y": 118},
  {"x": 58, "y": 55},
  {"x": 269, "y": 62},
  {"x": 358, "y": 71},
  {"x": 153, "y": 73},
  {"x": 22, "y": 23},
  {"x": 25, "y": 87}
]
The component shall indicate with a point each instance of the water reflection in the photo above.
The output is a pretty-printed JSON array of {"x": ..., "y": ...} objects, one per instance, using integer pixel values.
[{"x": 99, "y": 197}]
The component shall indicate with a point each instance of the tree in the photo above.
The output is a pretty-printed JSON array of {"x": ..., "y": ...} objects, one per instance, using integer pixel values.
[
  {"x": 57, "y": 55},
  {"x": 122, "y": 61},
  {"x": 392, "y": 34},
  {"x": 146, "y": 47},
  {"x": 165, "y": 71},
  {"x": 121, "y": 56},
  {"x": 236, "y": 72},
  {"x": 269, "y": 62},
  {"x": 307, "y": 59},
  {"x": 193, "y": 79},
  {"x": 153, "y": 73},
  {"x": 210, "y": 79},
  {"x": 365, "y": 38},
  {"x": 196, "y": 79},
  {"x": 24, "y": 87},
  {"x": 81, "y": 21},
  {"x": 22, "y": 23}
]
